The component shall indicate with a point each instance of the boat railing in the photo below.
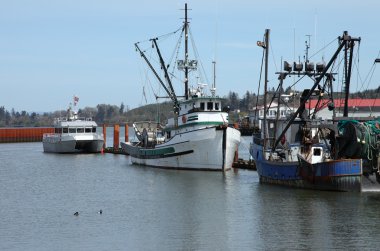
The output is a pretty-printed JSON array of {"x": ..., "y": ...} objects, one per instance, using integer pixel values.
[
  {"x": 51, "y": 134},
  {"x": 64, "y": 119}
]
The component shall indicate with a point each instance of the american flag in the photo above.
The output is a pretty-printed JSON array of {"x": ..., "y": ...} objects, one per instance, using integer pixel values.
[{"x": 76, "y": 99}]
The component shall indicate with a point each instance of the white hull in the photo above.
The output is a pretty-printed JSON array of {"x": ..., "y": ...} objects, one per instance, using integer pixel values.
[
  {"x": 210, "y": 148},
  {"x": 56, "y": 143}
]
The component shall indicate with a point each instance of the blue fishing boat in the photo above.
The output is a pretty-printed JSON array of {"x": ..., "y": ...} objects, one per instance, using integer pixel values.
[{"x": 304, "y": 151}]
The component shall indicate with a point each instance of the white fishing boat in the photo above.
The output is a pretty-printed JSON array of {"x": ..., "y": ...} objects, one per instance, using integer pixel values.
[
  {"x": 197, "y": 136},
  {"x": 73, "y": 134}
]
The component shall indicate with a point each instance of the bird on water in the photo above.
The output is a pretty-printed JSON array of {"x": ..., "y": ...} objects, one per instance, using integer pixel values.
[
  {"x": 76, "y": 213},
  {"x": 100, "y": 211}
]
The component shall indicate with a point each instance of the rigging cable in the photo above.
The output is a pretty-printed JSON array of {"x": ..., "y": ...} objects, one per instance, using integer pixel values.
[
  {"x": 370, "y": 73},
  {"x": 162, "y": 36},
  {"x": 274, "y": 60},
  {"x": 258, "y": 88},
  {"x": 323, "y": 48},
  {"x": 378, "y": 89},
  {"x": 176, "y": 52},
  {"x": 203, "y": 72}
]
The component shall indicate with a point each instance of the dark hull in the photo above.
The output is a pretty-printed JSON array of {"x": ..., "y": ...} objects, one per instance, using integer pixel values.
[{"x": 339, "y": 175}]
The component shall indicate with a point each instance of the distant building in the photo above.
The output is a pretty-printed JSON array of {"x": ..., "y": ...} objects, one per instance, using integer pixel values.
[
  {"x": 356, "y": 108},
  {"x": 284, "y": 111}
]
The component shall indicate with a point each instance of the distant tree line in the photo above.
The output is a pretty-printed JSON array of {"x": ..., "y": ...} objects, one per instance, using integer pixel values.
[
  {"x": 160, "y": 112},
  {"x": 102, "y": 114}
]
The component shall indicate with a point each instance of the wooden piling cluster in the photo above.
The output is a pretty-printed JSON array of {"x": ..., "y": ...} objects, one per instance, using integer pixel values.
[
  {"x": 23, "y": 134},
  {"x": 116, "y": 142},
  {"x": 244, "y": 164}
]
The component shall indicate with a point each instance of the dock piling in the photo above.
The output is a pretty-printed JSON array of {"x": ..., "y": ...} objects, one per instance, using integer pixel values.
[
  {"x": 126, "y": 133},
  {"x": 116, "y": 132}
]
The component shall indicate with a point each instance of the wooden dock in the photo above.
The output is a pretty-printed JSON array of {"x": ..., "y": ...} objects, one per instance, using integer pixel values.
[
  {"x": 244, "y": 164},
  {"x": 114, "y": 150}
]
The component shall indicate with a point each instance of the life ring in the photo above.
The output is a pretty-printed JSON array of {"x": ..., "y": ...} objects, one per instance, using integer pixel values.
[{"x": 184, "y": 119}]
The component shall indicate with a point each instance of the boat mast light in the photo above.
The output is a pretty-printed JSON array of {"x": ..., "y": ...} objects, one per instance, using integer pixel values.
[
  {"x": 297, "y": 66},
  {"x": 309, "y": 66},
  {"x": 320, "y": 67},
  {"x": 287, "y": 66}
]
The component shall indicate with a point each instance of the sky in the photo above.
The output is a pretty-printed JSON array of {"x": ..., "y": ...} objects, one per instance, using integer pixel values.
[{"x": 52, "y": 50}]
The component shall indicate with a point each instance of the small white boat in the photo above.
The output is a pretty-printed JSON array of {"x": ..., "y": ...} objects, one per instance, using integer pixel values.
[{"x": 73, "y": 135}]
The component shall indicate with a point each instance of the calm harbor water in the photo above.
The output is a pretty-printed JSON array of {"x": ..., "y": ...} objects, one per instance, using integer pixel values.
[{"x": 154, "y": 209}]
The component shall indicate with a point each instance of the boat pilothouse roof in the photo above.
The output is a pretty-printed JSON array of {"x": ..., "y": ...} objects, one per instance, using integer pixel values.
[{"x": 200, "y": 102}]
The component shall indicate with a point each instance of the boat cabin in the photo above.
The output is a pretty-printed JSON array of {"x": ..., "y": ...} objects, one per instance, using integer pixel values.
[
  {"x": 204, "y": 104},
  {"x": 63, "y": 130},
  {"x": 84, "y": 125}
]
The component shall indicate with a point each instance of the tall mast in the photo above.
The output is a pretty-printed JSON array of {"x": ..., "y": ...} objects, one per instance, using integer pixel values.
[
  {"x": 186, "y": 57},
  {"x": 213, "y": 84},
  {"x": 266, "y": 46},
  {"x": 213, "y": 89},
  {"x": 348, "y": 68}
]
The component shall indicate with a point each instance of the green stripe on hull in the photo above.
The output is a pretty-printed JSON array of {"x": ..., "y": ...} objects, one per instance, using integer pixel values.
[{"x": 156, "y": 151}]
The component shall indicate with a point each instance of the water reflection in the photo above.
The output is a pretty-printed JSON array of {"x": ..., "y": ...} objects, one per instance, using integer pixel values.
[{"x": 148, "y": 209}]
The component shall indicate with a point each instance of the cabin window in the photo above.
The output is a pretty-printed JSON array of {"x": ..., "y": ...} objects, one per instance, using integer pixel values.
[
  {"x": 217, "y": 106},
  {"x": 58, "y": 130},
  {"x": 94, "y": 129},
  {"x": 80, "y": 130},
  {"x": 202, "y": 106},
  {"x": 72, "y": 130},
  {"x": 317, "y": 151},
  {"x": 210, "y": 105},
  {"x": 65, "y": 130},
  {"x": 87, "y": 130}
]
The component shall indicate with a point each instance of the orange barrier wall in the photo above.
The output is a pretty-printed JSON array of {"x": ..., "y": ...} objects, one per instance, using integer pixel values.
[{"x": 23, "y": 134}]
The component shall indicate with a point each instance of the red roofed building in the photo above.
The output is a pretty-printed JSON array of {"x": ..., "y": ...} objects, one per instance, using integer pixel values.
[{"x": 356, "y": 108}]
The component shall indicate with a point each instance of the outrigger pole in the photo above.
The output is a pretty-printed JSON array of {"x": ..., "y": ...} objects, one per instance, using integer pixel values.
[
  {"x": 170, "y": 92},
  {"x": 347, "y": 42}
]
